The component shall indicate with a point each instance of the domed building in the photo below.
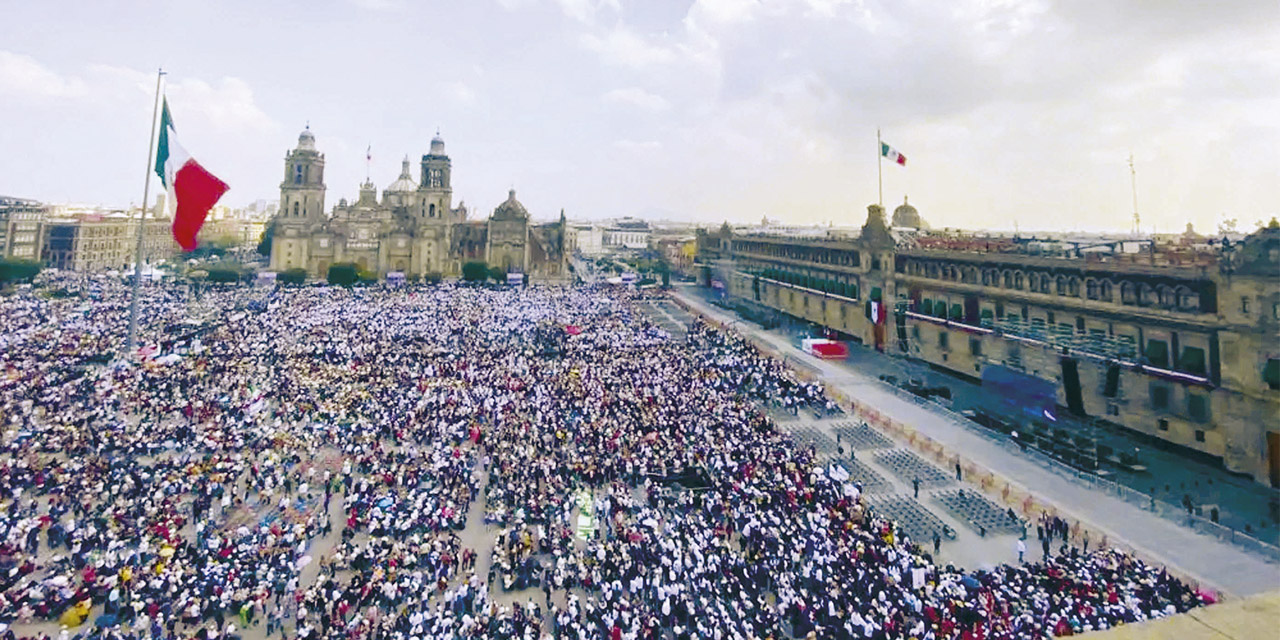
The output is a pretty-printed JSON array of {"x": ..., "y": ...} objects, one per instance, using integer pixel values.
[
  {"x": 398, "y": 192},
  {"x": 508, "y": 234},
  {"x": 906, "y": 217},
  {"x": 414, "y": 229}
]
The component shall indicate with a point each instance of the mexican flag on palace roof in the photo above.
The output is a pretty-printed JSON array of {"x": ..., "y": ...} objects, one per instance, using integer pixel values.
[
  {"x": 192, "y": 189},
  {"x": 892, "y": 154}
]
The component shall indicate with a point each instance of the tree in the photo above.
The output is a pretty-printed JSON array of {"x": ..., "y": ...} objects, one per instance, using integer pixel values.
[
  {"x": 264, "y": 243},
  {"x": 17, "y": 269},
  {"x": 497, "y": 274},
  {"x": 475, "y": 271},
  {"x": 343, "y": 273},
  {"x": 222, "y": 274},
  {"x": 432, "y": 277},
  {"x": 292, "y": 276}
]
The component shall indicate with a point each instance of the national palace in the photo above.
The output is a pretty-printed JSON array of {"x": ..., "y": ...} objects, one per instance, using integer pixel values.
[{"x": 1179, "y": 343}]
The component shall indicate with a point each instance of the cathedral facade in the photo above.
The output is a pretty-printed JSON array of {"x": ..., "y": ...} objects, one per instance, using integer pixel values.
[{"x": 413, "y": 229}]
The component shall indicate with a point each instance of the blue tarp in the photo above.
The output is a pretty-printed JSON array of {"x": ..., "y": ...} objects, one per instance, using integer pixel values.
[{"x": 1020, "y": 393}]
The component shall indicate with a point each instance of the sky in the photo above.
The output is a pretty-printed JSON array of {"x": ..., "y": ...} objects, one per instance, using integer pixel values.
[{"x": 1010, "y": 113}]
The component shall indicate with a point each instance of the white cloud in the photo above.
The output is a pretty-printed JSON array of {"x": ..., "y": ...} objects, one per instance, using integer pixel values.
[
  {"x": 724, "y": 11},
  {"x": 22, "y": 77},
  {"x": 623, "y": 47},
  {"x": 380, "y": 5},
  {"x": 637, "y": 146},
  {"x": 461, "y": 93},
  {"x": 228, "y": 105},
  {"x": 637, "y": 97},
  {"x": 586, "y": 10}
]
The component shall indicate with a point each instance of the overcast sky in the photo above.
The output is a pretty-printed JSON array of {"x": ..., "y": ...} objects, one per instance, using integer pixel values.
[{"x": 1008, "y": 112}]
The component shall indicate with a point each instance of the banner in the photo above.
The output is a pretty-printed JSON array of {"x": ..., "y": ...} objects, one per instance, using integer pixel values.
[{"x": 586, "y": 519}]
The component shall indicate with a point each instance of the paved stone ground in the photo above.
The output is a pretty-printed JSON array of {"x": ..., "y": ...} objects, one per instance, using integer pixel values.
[{"x": 1214, "y": 562}]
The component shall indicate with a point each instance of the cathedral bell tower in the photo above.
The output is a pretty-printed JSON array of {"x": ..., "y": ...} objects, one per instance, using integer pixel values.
[
  {"x": 301, "y": 205},
  {"x": 302, "y": 192},
  {"x": 436, "y": 194}
]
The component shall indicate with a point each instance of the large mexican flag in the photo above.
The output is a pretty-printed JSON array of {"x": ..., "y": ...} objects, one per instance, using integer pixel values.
[{"x": 192, "y": 189}]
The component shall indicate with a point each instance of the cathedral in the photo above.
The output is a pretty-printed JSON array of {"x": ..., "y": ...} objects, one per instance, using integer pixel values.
[{"x": 414, "y": 229}]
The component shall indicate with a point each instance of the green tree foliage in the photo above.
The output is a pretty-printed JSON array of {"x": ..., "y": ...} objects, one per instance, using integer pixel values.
[
  {"x": 343, "y": 273},
  {"x": 292, "y": 276},
  {"x": 432, "y": 277},
  {"x": 475, "y": 271},
  {"x": 18, "y": 270},
  {"x": 222, "y": 274},
  {"x": 268, "y": 234},
  {"x": 498, "y": 275}
]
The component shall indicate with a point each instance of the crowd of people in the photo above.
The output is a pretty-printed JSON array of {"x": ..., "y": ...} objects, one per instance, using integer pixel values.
[{"x": 421, "y": 462}]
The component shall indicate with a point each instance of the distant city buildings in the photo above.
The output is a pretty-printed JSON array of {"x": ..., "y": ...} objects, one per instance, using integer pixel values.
[
  {"x": 227, "y": 228},
  {"x": 93, "y": 238},
  {"x": 20, "y": 228},
  {"x": 103, "y": 241},
  {"x": 627, "y": 233},
  {"x": 586, "y": 239}
]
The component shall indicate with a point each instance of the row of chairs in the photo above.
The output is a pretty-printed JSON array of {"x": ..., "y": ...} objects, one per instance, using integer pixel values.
[
  {"x": 861, "y": 437},
  {"x": 978, "y": 512},
  {"x": 910, "y": 467}
]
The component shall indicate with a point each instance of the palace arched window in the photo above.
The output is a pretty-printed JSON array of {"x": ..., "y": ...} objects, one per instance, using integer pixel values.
[
  {"x": 1188, "y": 300},
  {"x": 1146, "y": 295}
]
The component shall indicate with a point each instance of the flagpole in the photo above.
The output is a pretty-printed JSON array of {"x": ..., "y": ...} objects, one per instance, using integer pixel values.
[
  {"x": 880, "y": 166},
  {"x": 132, "y": 342}
]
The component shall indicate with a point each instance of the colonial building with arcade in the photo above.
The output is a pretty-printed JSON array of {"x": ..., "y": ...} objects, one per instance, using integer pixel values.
[{"x": 413, "y": 229}]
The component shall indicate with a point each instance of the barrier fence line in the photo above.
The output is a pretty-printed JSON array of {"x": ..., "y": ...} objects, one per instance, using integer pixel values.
[{"x": 1007, "y": 491}]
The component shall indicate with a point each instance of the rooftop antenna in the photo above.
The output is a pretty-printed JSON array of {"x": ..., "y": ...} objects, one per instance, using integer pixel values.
[
  {"x": 368, "y": 162},
  {"x": 1133, "y": 181}
]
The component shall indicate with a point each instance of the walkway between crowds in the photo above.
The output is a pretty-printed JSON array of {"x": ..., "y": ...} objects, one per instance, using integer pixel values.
[{"x": 1216, "y": 563}]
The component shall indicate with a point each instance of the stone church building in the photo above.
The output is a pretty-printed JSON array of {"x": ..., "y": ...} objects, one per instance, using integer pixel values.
[{"x": 413, "y": 229}]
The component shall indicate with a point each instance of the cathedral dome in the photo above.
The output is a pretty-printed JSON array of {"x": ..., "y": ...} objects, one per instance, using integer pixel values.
[
  {"x": 437, "y": 145},
  {"x": 404, "y": 182},
  {"x": 907, "y": 216},
  {"x": 306, "y": 140},
  {"x": 511, "y": 209}
]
